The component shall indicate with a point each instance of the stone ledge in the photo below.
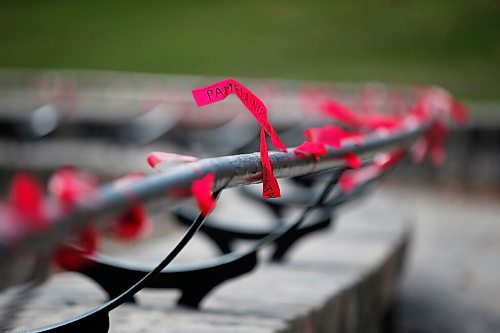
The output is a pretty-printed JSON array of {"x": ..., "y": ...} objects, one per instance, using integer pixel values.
[{"x": 339, "y": 280}]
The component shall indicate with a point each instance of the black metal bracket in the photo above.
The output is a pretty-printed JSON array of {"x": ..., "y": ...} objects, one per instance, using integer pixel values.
[
  {"x": 115, "y": 276},
  {"x": 225, "y": 234}
]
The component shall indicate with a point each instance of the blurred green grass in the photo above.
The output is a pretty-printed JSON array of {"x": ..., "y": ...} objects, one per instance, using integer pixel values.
[{"x": 452, "y": 43}]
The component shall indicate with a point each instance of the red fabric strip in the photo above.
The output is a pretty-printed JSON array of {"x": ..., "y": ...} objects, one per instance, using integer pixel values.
[
  {"x": 341, "y": 113},
  {"x": 352, "y": 160},
  {"x": 311, "y": 148},
  {"x": 72, "y": 258},
  {"x": 331, "y": 136},
  {"x": 158, "y": 157},
  {"x": 202, "y": 192},
  {"x": 133, "y": 223},
  {"x": 271, "y": 187},
  {"x": 26, "y": 197},
  {"x": 219, "y": 91},
  {"x": 71, "y": 186}
]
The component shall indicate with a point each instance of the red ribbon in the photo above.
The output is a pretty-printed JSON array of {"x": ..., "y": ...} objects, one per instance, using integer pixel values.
[
  {"x": 202, "y": 192},
  {"x": 219, "y": 91}
]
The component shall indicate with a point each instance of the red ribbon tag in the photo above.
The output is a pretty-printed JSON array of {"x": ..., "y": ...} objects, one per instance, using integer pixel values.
[
  {"x": 332, "y": 136},
  {"x": 70, "y": 186},
  {"x": 459, "y": 113},
  {"x": 311, "y": 148},
  {"x": 72, "y": 258},
  {"x": 158, "y": 157},
  {"x": 219, "y": 91},
  {"x": 435, "y": 139},
  {"x": 133, "y": 223},
  {"x": 352, "y": 160},
  {"x": 353, "y": 178},
  {"x": 341, "y": 113},
  {"x": 367, "y": 121},
  {"x": 202, "y": 192},
  {"x": 27, "y": 199}
]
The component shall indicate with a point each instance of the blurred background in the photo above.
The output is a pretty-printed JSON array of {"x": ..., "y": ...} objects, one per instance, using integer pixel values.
[
  {"x": 450, "y": 43},
  {"x": 452, "y": 281}
]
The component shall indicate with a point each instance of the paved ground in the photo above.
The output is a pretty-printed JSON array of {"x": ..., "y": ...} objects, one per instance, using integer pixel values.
[{"x": 452, "y": 281}]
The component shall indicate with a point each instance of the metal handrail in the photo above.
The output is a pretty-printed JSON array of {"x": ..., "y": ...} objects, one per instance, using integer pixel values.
[{"x": 229, "y": 171}]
